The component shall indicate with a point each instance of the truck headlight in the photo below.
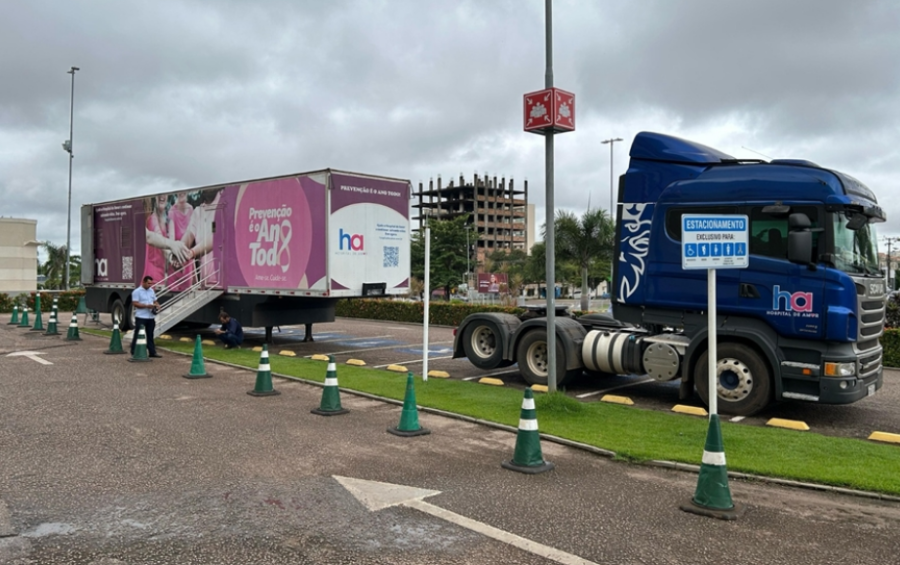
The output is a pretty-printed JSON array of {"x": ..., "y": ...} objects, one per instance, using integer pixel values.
[{"x": 840, "y": 369}]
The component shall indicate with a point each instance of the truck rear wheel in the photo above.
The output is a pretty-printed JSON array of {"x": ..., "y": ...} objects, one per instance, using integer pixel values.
[
  {"x": 531, "y": 353},
  {"x": 743, "y": 382},
  {"x": 482, "y": 344},
  {"x": 122, "y": 313}
]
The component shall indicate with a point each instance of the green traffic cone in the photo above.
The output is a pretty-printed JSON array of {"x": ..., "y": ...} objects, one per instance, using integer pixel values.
[
  {"x": 713, "y": 497},
  {"x": 331, "y": 394},
  {"x": 38, "y": 317},
  {"x": 198, "y": 369},
  {"x": 82, "y": 307},
  {"x": 409, "y": 417},
  {"x": 115, "y": 341},
  {"x": 15, "y": 317},
  {"x": 55, "y": 312},
  {"x": 140, "y": 346},
  {"x": 51, "y": 325},
  {"x": 263, "y": 376},
  {"x": 23, "y": 321},
  {"x": 73, "y": 329},
  {"x": 527, "y": 457}
]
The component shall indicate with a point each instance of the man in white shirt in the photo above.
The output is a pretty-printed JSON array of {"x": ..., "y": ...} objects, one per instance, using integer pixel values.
[{"x": 143, "y": 300}]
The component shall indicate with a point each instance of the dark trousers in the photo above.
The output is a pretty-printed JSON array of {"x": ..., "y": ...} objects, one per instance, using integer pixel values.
[
  {"x": 149, "y": 327},
  {"x": 230, "y": 339}
]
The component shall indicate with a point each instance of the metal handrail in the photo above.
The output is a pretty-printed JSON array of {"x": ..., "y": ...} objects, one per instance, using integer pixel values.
[{"x": 190, "y": 291}]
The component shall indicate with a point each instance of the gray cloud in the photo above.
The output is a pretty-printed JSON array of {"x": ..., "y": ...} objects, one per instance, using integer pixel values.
[{"x": 175, "y": 94}]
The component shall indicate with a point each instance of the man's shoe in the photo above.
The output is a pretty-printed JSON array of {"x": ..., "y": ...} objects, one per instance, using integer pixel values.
[{"x": 157, "y": 356}]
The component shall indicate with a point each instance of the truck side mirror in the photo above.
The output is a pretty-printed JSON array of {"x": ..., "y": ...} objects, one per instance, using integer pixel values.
[{"x": 799, "y": 239}]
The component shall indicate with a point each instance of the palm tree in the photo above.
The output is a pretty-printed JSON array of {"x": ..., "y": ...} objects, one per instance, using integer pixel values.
[
  {"x": 54, "y": 268},
  {"x": 584, "y": 241}
]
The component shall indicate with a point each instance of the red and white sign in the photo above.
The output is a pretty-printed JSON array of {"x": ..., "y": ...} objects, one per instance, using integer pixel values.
[{"x": 549, "y": 110}]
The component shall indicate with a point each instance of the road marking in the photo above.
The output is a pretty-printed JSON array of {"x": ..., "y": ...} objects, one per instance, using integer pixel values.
[
  {"x": 411, "y": 362},
  {"x": 33, "y": 355},
  {"x": 737, "y": 419},
  {"x": 376, "y": 496},
  {"x": 604, "y": 391},
  {"x": 373, "y": 349}
]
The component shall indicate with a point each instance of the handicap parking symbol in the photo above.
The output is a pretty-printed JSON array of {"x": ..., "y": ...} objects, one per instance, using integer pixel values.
[{"x": 690, "y": 249}]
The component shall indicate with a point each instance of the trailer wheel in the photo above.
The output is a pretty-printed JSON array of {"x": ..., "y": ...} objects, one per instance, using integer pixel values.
[
  {"x": 744, "y": 384},
  {"x": 533, "y": 359},
  {"x": 122, "y": 313},
  {"x": 482, "y": 344}
]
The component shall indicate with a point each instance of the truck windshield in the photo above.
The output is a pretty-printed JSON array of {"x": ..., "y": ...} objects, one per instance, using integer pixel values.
[{"x": 855, "y": 251}]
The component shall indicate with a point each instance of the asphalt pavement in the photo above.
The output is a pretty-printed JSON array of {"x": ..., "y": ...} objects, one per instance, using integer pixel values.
[{"x": 105, "y": 461}]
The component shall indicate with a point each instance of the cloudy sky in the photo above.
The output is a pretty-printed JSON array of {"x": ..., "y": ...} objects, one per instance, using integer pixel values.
[{"x": 184, "y": 93}]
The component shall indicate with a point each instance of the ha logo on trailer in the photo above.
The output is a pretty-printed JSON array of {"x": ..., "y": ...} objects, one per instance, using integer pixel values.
[{"x": 714, "y": 241}]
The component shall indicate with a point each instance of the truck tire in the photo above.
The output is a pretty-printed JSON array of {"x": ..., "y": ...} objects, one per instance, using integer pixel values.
[
  {"x": 482, "y": 344},
  {"x": 744, "y": 383},
  {"x": 531, "y": 353},
  {"x": 121, "y": 312}
]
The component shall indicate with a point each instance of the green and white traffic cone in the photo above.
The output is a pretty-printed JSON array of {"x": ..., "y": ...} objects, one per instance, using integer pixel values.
[
  {"x": 38, "y": 317},
  {"x": 14, "y": 321},
  {"x": 115, "y": 341},
  {"x": 263, "y": 376},
  {"x": 73, "y": 329},
  {"x": 23, "y": 320},
  {"x": 140, "y": 354},
  {"x": 713, "y": 497},
  {"x": 82, "y": 307},
  {"x": 198, "y": 368},
  {"x": 409, "y": 417},
  {"x": 52, "y": 325},
  {"x": 55, "y": 312},
  {"x": 527, "y": 457},
  {"x": 331, "y": 394}
]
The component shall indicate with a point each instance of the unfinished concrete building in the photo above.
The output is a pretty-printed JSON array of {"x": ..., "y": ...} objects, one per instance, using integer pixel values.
[{"x": 498, "y": 212}]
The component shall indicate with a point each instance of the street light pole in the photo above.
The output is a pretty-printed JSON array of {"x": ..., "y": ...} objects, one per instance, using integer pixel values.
[
  {"x": 612, "y": 213},
  {"x": 550, "y": 213},
  {"x": 67, "y": 146}
]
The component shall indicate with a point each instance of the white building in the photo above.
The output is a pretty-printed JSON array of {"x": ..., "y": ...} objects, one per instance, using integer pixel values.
[{"x": 18, "y": 255}]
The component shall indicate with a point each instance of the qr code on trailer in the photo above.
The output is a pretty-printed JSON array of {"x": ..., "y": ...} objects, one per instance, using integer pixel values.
[
  {"x": 391, "y": 256},
  {"x": 127, "y": 268}
]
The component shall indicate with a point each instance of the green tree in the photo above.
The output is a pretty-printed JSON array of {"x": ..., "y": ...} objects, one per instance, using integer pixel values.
[
  {"x": 584, "y": 241},
  {"x": 54, "y": 268},
  {"x": 448, "y": 252}
]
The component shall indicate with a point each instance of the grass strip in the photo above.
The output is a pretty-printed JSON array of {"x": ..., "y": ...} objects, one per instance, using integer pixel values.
[{"x": 634, "y": 434}]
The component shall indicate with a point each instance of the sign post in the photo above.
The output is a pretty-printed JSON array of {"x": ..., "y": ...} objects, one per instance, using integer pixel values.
[{"x": 711, "y": 242}]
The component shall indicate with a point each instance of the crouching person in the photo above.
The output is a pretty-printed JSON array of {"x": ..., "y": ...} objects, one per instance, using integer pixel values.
[{"x": 231, "y": 333}]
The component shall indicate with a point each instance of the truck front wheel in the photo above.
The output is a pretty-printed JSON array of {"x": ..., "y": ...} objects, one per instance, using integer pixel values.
[
  {"x": 743, "y": 382},
  {"x": 533, "y": 359},
  {"x": 482, "y": 344}
]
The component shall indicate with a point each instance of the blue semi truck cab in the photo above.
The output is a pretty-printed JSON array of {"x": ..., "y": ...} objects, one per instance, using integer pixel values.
[{"x": 801, "y": 322}]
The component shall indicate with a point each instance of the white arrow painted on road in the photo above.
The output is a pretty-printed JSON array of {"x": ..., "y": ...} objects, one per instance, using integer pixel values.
[
  {"x": 376, "y": 496},
  {"x": 33, "y": 355}
]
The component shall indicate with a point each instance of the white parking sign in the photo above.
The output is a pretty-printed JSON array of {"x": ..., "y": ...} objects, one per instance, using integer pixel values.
[{"x": 715, "y": 241}]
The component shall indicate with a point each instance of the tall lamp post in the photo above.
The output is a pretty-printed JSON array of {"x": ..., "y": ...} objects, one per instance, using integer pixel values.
[
  {"x": 612, "y": 214},
  {"x": 67, "y": 146},
  {"x": 468, "y": 268}
]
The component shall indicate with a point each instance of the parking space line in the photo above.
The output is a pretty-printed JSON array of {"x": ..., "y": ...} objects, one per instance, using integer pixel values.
[
  {"x": 596, "y": 392},
  {"x": 411, "y": 362},
  {"x": 346, "y": 351}
]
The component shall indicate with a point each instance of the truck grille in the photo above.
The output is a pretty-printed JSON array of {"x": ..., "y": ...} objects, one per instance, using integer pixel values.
[{"x": 871, "y": 326}]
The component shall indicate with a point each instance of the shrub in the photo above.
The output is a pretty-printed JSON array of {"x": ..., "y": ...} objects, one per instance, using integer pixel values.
[
  {"x": 890, "y": 341},
  {"x": 441, "y": 313}
]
